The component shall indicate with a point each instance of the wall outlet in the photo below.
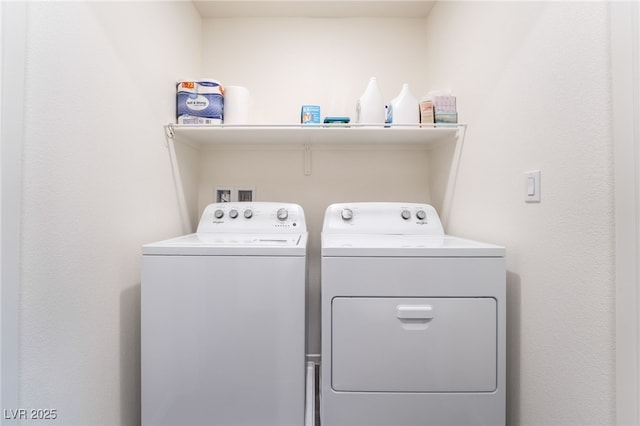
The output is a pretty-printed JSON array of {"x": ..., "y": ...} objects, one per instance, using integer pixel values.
[
  {"x": 229, "y": 194},
  {"x": 246, "y": 194},
  {"x": 223, "y": 195}
]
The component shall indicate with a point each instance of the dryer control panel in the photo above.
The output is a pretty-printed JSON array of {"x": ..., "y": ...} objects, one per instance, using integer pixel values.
[
  {"x": 382, "y": 218},
  {"x": 254, "y": 217}
]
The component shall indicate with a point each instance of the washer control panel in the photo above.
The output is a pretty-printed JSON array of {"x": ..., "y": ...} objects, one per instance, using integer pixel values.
[
  {"x": 382, "y": 218},
  {"x": 257, "y": 217}
]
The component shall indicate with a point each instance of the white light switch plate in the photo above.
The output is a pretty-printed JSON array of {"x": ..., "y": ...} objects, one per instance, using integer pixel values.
[{"x": 532, "y": 186}]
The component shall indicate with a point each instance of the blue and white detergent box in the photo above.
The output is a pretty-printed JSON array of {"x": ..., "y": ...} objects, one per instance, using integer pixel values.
[
  {"x": 199, "y": 102},
  {"x": 310, "y": 114}
]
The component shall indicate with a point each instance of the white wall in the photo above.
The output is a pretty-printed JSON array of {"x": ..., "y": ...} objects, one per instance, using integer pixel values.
[
  {"x": 533, "y": 82},
  {"x": 1, "y": 74},
  {"x": 287, "y": 62},
  {"x": 97, "y": 185},
  {"x": 13, "y": 52},
  {"x": 625, "y": 73}
]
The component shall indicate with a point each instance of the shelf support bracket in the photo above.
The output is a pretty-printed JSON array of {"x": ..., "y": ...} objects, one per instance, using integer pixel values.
[
  {"x": 453, "y": 175},
  {"x": 187, "y": 226},
  {"x": 169, "y": 133},
  {"x": 307, "y": 158}
]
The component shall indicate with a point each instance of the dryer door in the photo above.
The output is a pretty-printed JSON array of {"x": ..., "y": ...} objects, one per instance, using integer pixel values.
[{"x": 387, "y": 344}]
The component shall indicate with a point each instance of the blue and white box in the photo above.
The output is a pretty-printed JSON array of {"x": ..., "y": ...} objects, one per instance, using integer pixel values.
[{"x": 310, "y": 114}]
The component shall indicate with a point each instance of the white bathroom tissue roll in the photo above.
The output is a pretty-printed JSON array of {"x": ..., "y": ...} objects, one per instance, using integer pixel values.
[{"x": 236, "y": 105}]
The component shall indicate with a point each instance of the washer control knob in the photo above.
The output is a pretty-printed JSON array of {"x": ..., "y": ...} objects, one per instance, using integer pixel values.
[
  {"x": 218, "y": 214},
  {"x": 346, "y": 214},
  {"x": 282, "y": 214},
  {"x": 406, "y": 214},
  {"x": 421, "y": 215},
  {"x": 248, "y": 213},
  {"x": 233, "y": 213}
]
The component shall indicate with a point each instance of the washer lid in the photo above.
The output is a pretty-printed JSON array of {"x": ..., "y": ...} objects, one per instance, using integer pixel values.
[
  {"x": 244, "y": 244},
  {"x": 375, "y": 245}
]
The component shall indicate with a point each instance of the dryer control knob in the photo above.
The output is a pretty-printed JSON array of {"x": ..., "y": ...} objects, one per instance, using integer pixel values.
[
  {"x": 248, "y": 213},
  {"x": 282, "y": 214},
  {"x": 233, "y": 213},
  {"x": 218, "y": 214},
  {"x": 346, "y": 214},
  {"x": 421, "y": 215},
  {"x": 406, "y": 214}
]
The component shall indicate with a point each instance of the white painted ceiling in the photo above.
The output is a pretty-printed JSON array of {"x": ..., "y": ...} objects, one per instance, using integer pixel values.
[{"x": 313, "y": 8}]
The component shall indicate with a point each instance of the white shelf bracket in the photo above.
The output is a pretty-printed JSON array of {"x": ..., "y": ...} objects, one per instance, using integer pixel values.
[
  {"x": 187, "y": 226},
  {"x": 307, "y": 159},
  {"x": 453, "y": 175},
  {"x": 169, "y": 133}
]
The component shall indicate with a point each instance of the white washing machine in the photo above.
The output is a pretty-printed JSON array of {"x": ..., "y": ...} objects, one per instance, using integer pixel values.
[
  {"x": 223, "y": 320},
  {"x": 413, "y": 320}
]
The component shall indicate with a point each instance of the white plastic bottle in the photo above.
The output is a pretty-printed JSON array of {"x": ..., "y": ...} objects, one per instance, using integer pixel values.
[
  {"x": 404, "y": 108},
  {"x": 370, "y": 107}
]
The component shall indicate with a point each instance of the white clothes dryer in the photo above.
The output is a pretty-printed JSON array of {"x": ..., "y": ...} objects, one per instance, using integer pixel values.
[
  {"x": 223, "y": 320},
  {"x": 413, "y": 320}
]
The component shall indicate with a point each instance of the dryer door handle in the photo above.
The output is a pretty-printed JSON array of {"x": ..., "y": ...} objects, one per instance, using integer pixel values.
[{"x": 414, "y": 312}]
